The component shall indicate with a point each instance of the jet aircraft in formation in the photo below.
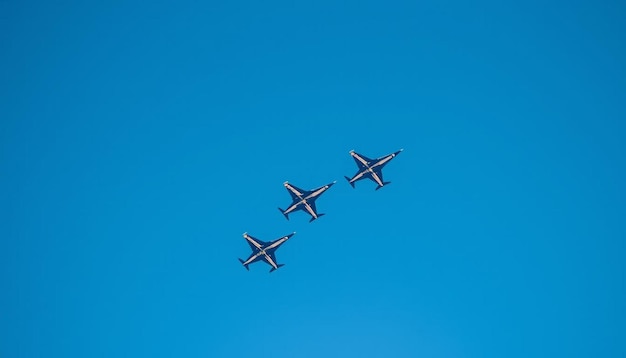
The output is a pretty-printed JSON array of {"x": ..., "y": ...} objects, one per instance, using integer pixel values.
[
  {"x": 263, "y": 251},
  {"x": 305, "y": 200},
  {"x": 370, "y": 168}
]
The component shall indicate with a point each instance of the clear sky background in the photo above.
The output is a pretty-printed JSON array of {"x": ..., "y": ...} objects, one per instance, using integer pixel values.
[{"x": 139, "y": 140}]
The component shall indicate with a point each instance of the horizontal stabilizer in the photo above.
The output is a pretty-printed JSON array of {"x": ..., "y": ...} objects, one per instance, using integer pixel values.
[
  {"x": 318, "y": 216},
  {"x": 283, "y": 212},
  {"x": 278, "y": 266},
  {"x": 246, "y": 266},
  {"x": 385, "y": 183},
  {"x": 348, "y": 179}
]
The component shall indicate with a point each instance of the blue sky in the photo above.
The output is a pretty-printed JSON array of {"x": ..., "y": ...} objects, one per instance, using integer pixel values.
[{"x": 139, "y": 141}]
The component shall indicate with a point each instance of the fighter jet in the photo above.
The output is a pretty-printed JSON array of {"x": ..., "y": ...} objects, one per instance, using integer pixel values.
[
  {"x": 263, "y": 251},
  {"x": 304, "y": 200},
  {"x": 370, "y": 168}
]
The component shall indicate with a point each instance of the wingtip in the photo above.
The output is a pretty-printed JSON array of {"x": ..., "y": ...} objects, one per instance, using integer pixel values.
[{"x": 245, "y": 233}]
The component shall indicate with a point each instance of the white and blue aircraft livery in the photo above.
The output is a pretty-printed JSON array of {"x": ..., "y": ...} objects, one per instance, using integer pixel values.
[
  {"x": 304, "y": 200},
  {"x": 371, "y": 168},
  {"x": 263, "y": 251}
]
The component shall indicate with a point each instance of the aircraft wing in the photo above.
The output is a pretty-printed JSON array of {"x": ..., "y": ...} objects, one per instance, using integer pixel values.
[
  {"x": 309, "y": 207},
  {"x": 254, "y": 257},
  {"x": 360, "y": 160},
  {"x": 377, "y": 175},
  {"x": 271, "y": 259},
  {"x": 295, "y": 192},
  {"x": 255, "y": 244},
  {"x": 318, "y": 191},
  {"x": 276, "y": 243},
  {"x": 382, "y": 161}
]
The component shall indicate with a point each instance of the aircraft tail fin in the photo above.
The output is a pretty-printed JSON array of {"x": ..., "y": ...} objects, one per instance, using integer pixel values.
[
  {"x": 283, "y": 212},
  {"x": 385, "y": 183},
  {"x": 246, "y": 266},
  {"x": 348, "y": 179},
  {"x": 277, "y": 267},
  {"x": 318, "y": 216}
]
